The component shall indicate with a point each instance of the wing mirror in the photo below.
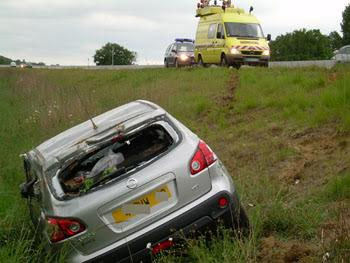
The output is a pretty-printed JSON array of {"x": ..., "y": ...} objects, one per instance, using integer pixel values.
[
  {"x": 268, "y": 38},
  {"x": 27, "y": 189}
]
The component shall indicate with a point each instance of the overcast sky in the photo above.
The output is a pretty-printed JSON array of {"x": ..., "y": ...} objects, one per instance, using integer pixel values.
[{"x": 68, "y": 32}]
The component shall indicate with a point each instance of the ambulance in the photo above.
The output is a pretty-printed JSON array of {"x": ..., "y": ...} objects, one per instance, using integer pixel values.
[{"x": 228, "y": 36}]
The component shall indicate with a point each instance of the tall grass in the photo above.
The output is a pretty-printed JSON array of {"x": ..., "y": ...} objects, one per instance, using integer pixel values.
[
  {"x": 251, "y": 133},
  {"x": 310, "y": 97}
]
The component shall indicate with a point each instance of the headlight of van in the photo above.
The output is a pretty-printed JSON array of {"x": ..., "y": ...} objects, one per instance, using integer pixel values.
[
  {"x": 266, "y": 53},
  {"x": 235, "y": 51}
]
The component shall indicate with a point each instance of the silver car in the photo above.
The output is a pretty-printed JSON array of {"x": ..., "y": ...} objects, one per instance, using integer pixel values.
[
  {"x": 122, "y": 187},
  {"x": 342, "y": 55}
]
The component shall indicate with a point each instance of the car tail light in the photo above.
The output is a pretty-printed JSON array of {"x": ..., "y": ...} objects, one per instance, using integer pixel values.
[
  {"x": 62, "y": 228},
  {"x": 202, "y": 158}
]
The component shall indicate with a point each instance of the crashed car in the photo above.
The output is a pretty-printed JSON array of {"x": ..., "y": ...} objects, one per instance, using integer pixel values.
[{"x": 125, "y": 185}]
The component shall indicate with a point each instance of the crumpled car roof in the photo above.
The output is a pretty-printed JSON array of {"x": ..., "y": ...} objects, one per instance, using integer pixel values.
[{"x": 53, "y": 147}]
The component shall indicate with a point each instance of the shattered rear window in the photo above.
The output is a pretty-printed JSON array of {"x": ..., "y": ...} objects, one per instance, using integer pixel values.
[{"x": 118, "y": 156}]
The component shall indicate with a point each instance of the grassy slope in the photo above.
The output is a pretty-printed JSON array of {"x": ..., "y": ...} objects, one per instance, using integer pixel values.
[{"x": 283, "y": 134}]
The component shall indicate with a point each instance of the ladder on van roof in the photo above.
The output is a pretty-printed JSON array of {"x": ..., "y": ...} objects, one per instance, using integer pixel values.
[
  {"x": 206, "y": 3},
  {"x": 215, "y": 9}
]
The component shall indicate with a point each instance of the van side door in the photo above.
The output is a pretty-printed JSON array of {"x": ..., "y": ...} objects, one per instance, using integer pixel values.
[
  {"x": 219, "y": 43},
  {"x": 210, "y": 54}
]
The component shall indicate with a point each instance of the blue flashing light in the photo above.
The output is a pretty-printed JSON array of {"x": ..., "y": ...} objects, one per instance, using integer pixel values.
[{"x": 184, "y": 40}]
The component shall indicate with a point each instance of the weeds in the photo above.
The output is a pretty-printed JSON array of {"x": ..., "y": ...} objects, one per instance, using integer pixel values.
[
  {"x": 338, "y": 189},
  {"x": 251, "y": 133}
]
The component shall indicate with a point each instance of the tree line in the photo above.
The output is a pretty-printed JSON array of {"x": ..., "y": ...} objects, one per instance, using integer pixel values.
[
  {"x": 311, "y": 44},
  {"x": 7, "y": 61}
]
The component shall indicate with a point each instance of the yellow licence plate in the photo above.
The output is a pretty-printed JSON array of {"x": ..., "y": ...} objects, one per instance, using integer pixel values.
[{"x": 142, "y": 205}]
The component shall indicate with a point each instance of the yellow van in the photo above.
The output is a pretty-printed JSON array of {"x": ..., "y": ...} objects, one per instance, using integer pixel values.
[{"x": 230, "y": 37}]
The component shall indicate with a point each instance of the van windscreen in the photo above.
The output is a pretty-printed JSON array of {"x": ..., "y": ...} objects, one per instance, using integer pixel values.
[{"x": 243, "y": 30}]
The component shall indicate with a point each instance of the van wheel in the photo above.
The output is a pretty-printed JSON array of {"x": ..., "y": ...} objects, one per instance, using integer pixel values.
[
  {"x": 223, "y": 62},
  {"x": 200, "y": 62},
  {"x": 177, "y": 64},
  {"x": 237, "y": 66},
  {"x": 166, "y": 63}
]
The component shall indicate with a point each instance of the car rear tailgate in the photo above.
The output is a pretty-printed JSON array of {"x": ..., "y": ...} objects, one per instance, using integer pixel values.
[{"x": 141, "y": 199}]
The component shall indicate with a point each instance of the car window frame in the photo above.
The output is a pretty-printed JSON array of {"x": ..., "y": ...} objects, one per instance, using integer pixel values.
[{"x": 222, "y": 31}]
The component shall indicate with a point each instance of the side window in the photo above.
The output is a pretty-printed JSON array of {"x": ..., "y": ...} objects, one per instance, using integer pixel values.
[
  {"x": 212, "y": 31},
  {"x": 220, "y": 33}
]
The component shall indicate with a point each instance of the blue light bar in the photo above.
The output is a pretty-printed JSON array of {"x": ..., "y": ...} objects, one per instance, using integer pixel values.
[{"x": 184, "y": 40}]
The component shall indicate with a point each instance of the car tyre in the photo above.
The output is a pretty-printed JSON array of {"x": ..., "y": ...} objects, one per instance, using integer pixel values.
[
  {"x": 200, "y": 62},
  {"x": 237, "y": 66},
  {"x": 166, "y": 63},
  {"x": 223, "y": 61},
  {"x": 177, "y": 64}
]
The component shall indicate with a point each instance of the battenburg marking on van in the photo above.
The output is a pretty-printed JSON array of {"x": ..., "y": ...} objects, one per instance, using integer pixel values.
[{"x": 229, "y": 36}]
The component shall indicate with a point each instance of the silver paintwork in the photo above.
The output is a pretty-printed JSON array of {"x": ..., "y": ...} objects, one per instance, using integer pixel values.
[
  {"x": 96, "y": 207},
  {"x": 342, "y": 55}
]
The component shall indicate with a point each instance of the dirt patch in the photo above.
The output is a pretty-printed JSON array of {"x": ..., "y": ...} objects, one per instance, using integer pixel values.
[
  {"x": 332, "y": 77},
  {"x": 274, "y": 250},
  {"x": 313, "y": 148},
  {"x": 335, "y": 234},
  {"x": 233, "y": 84}
]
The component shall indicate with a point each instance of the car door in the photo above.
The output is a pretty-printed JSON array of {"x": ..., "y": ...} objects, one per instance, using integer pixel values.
[
  {"x": 167, "y": 53},
  {"x": 172, "y": 54},
  {"x": 341, "y": 56},
  {"x": 33, "y": 190},
  {"x": 347, "y": 55}
]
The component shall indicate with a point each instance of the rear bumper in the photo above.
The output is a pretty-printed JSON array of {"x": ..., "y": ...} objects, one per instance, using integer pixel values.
[
  {"x": 206, "y": 215},
  {"x": 199, "y": 213}
]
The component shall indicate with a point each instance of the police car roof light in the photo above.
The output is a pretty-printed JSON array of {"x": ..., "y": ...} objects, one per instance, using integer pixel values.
[{"x": 184, "y": 40}]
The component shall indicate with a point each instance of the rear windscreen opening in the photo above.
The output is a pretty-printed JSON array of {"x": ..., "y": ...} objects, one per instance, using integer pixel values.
[{"x": 121, "y": 155}]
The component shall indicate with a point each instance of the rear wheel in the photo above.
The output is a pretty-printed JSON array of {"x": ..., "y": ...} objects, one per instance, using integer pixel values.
[
  {"x": 166, "y": 63},
  {"x": 177, "y": 64},
  {"x": 237, "y": 66},
  {"x": 223, "y": 61},
  {"x": 200, "y": 62}
]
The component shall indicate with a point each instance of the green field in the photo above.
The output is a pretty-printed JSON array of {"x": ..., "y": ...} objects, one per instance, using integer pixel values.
[{"x": 284, "y": 134}]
